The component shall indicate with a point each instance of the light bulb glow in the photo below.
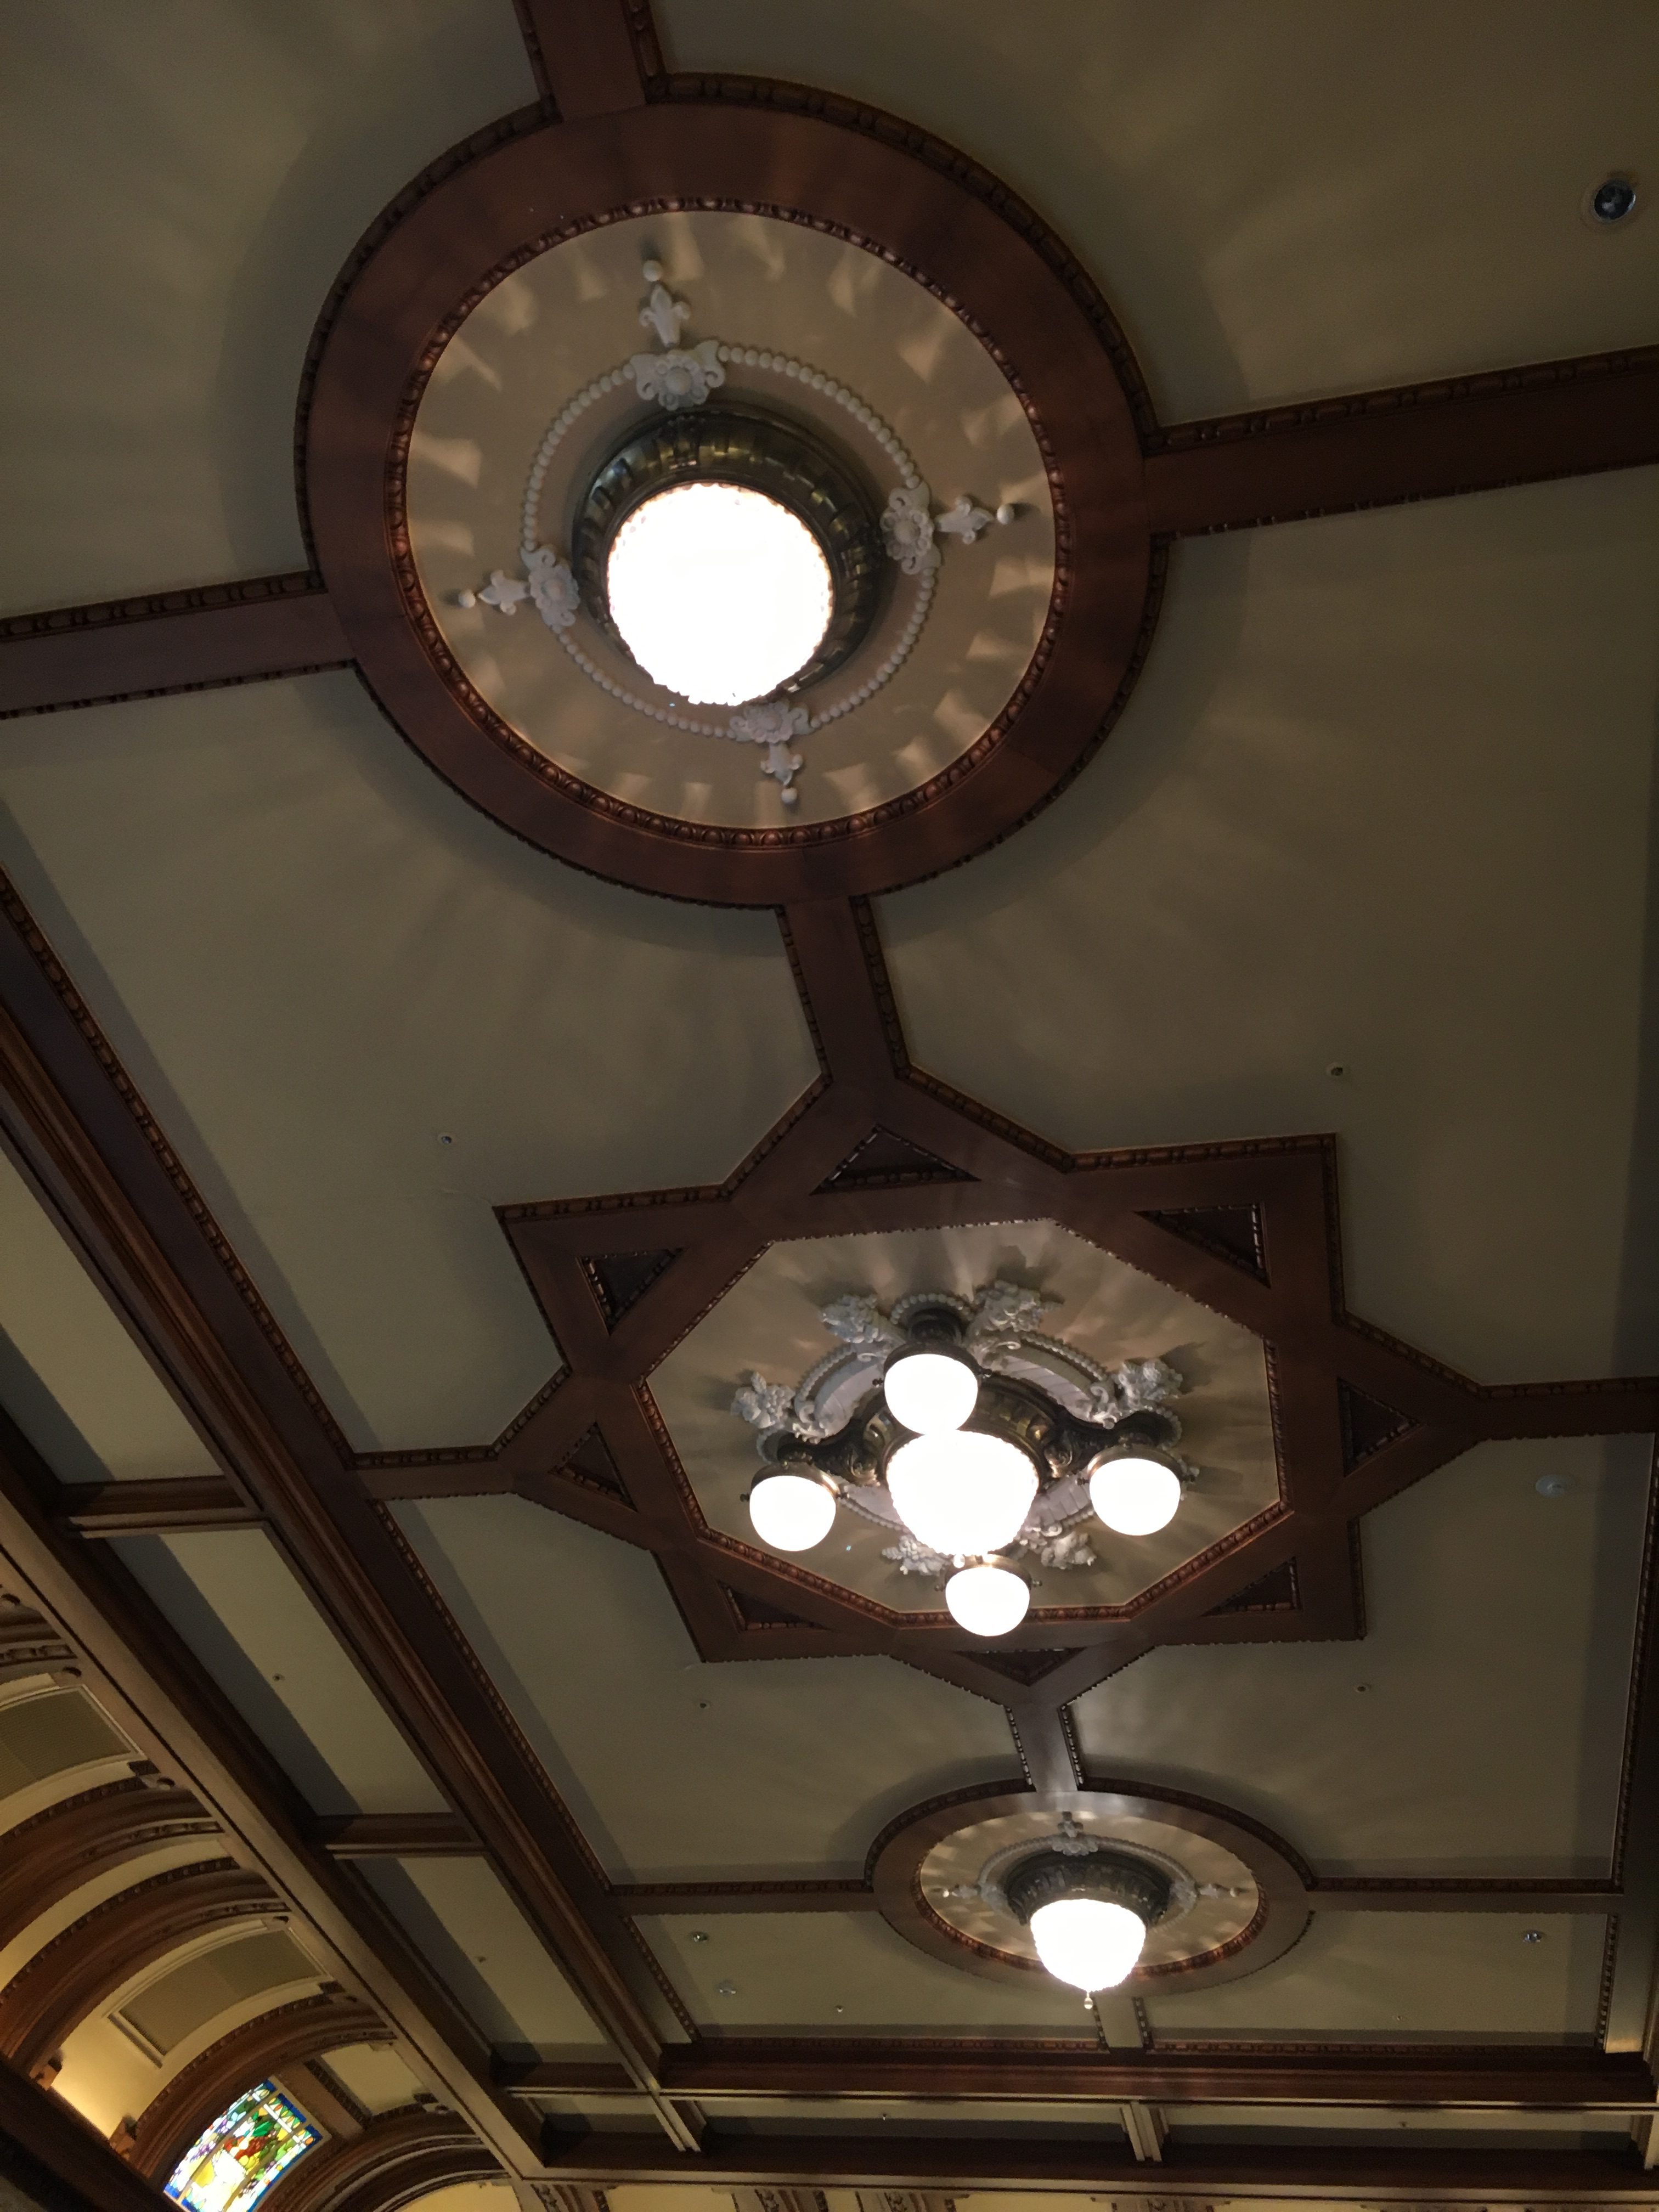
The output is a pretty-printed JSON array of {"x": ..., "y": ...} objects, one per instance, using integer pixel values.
[
  {"x": 986, "y": 1600},
  {"x": 1088, "y": 1940},
  {"x": 791, "y": 1512},
  {"x": 960, "y": 1492},
  {"x": 1136, "y": 1497},
  {"x": 719, "y": 593},
  {"x": 929, "y": 1391}
]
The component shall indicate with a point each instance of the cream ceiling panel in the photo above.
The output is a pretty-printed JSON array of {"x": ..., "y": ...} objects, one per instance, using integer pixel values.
[
  {"x": 1279, "y": 200},
  {"x": 53, "y": 1733},
  {"x": 1477, "y": 1727},
  {"x": 675, "y": 1769},
  {"x": 1381, "y": 801},
  {"x": 70, "y": 1377},
  {"x": 850, "y": 1973},
  {"x": 1397, "y": 1975},
  {"x": 194, "y": 173},
  {"x": 462, "y": 1919},
  {"x": 375, "y": 2075},
  {"x": 319, "y": 962},
  {"x": 233, "y": 1599}
]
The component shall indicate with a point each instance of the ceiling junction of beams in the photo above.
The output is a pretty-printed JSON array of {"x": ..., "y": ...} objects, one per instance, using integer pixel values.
[{"x": 1249, "y": 1230}]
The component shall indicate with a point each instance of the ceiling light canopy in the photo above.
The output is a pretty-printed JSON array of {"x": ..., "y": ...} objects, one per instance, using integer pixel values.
[{"x": 1088, "y": 1909}]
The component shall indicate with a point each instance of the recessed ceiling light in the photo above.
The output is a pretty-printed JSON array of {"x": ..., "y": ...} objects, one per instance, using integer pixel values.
[
  {"x": 719, "y": 593},
  {"x": 1614, "y": 200}
]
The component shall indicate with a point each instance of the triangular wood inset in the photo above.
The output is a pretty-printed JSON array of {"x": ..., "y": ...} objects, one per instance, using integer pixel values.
[
  {"x": 1276, "y": 1592},
  {"x": 757, "y": 1612},
  {"x": 617, "y": 1280},
  {"x": 590, "y": 1464},
  {"x": 884, "y": 1162},
  {"x": 1367, "y": 1425},
  {"x": 1229, "y": 1232}
]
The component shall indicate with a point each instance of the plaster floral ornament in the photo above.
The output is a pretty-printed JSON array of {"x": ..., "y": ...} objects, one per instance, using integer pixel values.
[{"x": 677, "y": 378}]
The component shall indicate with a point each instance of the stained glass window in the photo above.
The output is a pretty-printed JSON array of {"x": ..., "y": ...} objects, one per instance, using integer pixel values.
[{"x": 231, "y": 2164}]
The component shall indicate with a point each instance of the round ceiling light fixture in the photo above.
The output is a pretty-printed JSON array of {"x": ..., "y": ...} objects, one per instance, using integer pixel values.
[
  {"x": 987, "y": 1600},
  {"x": 958, "y": 1426},
  {"x": 792, "y": 1512},
  {"x": 719, "y": 593},
  {"x": 1133, "y": 1493},
  {"x": 1088, "y": 1909}
]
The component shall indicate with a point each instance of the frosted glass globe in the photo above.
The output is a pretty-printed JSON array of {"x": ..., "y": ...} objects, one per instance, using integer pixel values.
[
  {"x": 986, "y": 1600},
  {"x": 930, "y": 1390},
  {"x": 960, "y": 1493},
  {"x": 791, "y": 1512},
  {"x": 1136, "y": 1497},
  {"x": 1088, "y": 1940},
  {"x": 719, "y": 593}
]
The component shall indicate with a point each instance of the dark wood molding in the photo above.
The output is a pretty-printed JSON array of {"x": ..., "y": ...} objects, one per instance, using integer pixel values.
[
  {"x": 1559, "y": 418},
  {"x": 47, "y": 1858},
  {"x": 393, "y": 2161},
  {"x": 1357, "y": 2075},
  {"x": 70, "y": 1976},
  {"x": 173, "y": 2118},
  {"x": 192, "y": 641},
  {"x": 30, "y": 1646},
  {"x": 591, "y": 58},
  {"x": 152, "y": 1509},
  {"x": 1189, "y": 2177},
  {"x": 58, "y": 2160},
  {"x": 838, "y": 168},
  {"x": 398, "y": 1835}
]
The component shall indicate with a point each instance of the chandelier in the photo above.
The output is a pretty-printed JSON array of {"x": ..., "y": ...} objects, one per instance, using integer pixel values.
[
  {"x": 980, "y": 1440},
  {"x": 1087, "y": 1903}
]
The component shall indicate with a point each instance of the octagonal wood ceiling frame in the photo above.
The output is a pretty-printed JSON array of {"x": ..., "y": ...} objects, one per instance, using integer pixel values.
[{"x": 1248, "y": 1229}]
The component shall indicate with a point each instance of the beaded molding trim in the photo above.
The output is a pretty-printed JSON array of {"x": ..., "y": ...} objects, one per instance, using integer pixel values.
[{"x": 678, "y": 380}]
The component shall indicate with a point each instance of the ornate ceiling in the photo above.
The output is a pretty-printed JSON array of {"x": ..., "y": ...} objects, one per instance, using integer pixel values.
[{"x": 434, "y": 1078}]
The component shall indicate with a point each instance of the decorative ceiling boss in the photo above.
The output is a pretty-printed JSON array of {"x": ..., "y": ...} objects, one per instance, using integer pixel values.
[
  {"x": 736, "y": 556},
  {"x": 976, "y": 1438}
]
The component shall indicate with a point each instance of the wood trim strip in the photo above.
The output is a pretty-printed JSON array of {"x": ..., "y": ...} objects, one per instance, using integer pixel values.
[
  {"x": 590, "y": 57},
  {"x": 173, "y": 2118},
  {"x": 142, "y": 648},
  {"x": 63, "y": 1983},
  {"x": 1506, "y": 2077},
  {"x": 49, "y": 1858},
  {"x": 1187, "y": 2178},
  {"x": 398, "y": 1835},
  {"x": 1358, "y": 1893},
  {"x": 151, "y": 1509},
  {"x": 1564, "y": 418}
]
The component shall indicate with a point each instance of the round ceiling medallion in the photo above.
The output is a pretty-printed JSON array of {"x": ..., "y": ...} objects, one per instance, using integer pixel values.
[
  {"x": 1237, "y": 1897},
  {"x": 935, "y": 389}
]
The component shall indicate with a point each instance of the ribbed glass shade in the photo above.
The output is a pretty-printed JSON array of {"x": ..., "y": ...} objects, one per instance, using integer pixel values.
[
  {"x": 961, "y": 1493},
  {"x": 719, "y": 592},
  {"x": 1087, "y": 1940},
  {"x": 791, "y": 1512}
]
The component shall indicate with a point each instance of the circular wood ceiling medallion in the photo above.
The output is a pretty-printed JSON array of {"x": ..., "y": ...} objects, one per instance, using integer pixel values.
[
  {"x": 499, "y": 340},
  {"x": 1239, "y": 1900}
]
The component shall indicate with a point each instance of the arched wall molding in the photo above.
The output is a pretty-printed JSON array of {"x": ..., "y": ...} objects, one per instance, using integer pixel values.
[
  {"x": 78, "y": 1971},
  {"x": 391, "y": 2163},
  {"x": 305, "y": 2029},
  {"x": 51, "y": 1855}
]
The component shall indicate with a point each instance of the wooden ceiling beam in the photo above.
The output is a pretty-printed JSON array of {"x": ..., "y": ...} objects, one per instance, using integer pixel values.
[
  {"x": 1187, "y": 2174},
  {"x": 1358, "y": 1894},
  {"x": 391, "y": 2161},
  {"x": 398, "y": 1835},
  {"x": 44, "y": 2141},
  {"x": 154, "y": 1509},
  {"x": 1564, "y": 418},
  {"x": 591, "y": 57},
  {"x": 49, "y": 1858},
  {"x": 142, "y": 648},
  {"x": 1508, "y": 2077}
]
